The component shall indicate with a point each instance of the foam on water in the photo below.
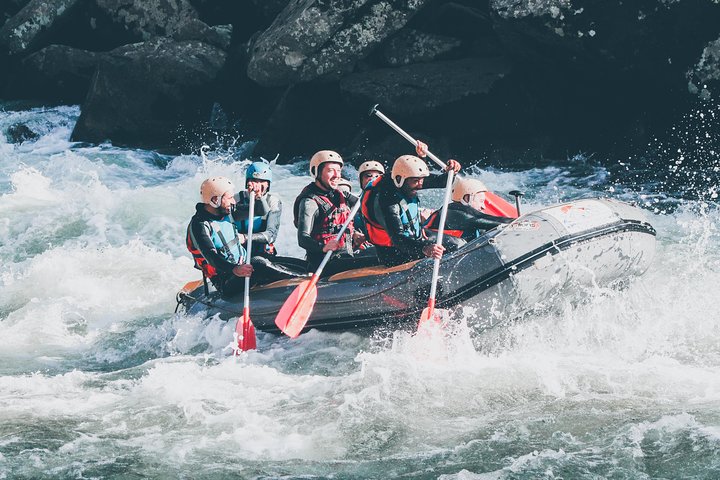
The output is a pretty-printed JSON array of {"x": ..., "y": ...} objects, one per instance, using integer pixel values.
[{"x": 100, "y": 378}]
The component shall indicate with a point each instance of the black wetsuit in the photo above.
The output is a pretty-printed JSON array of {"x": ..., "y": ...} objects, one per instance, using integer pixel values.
[
  {"x": 464, "y": 221},
  {"x": 311, "y": 222},
  {"x": 406, "y": 245},
  {"x": 200, "y": 233}
]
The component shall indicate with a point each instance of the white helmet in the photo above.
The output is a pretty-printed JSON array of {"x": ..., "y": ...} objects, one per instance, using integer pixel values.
[
  {"x": 215, "y": 187},
  {"x": 371, "y": 165},
  {"x": 466, "y": 186},
  {"x": 323, "y": 156},
  {"x": 407, "y": 166},
  {"x": 344, "y": 184}
]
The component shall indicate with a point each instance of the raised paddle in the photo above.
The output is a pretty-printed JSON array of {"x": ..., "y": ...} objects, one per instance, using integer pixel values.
[
  {"x": 244, "y": 328},
  {"x": 296, "y": 310},
  {"x": 494, "y": 205},
  {"x": 429, "y": 312}
]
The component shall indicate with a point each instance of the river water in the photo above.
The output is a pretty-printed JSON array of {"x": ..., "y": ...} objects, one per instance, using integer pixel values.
[{"x": 99, "y": 378}]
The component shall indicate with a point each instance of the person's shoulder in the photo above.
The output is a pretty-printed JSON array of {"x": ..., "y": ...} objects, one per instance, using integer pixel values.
[
  {"x": 306, "y": 191},
  {"x": 273, "y": 199},
  {"x": 200, "y": 213}
]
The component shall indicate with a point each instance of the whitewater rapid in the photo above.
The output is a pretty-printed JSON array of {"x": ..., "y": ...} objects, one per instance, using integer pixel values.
[{"x": 99, "y": 378}]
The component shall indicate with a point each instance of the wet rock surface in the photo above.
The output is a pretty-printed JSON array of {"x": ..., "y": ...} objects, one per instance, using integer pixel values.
[{"x": 500, "y": 79}]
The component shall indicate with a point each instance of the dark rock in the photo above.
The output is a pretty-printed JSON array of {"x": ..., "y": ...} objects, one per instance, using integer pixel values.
[
  {"x": 245, "y": 16},
  {"x": 412, "y": 46},
  {"x": 704, "y": 77},
  {"x": 142, "y": 93},
  {"x": 19, "y": 133},
  {"x": 32, "y": 25},
  {"x": 324, "y": 39},
  {"x": 270, "y": 9},
  {"x": 8, "y": 8},
  {"x": 147, "y": 19},
  {"x": 467, "y": 20},
  {"x": 421, "y": 87},
  {"x": 594, "y": 71},
  {"x": 308, "y": 118},
  {"x": 56, "y": 73},
  {"x": 217, "y": 36}
]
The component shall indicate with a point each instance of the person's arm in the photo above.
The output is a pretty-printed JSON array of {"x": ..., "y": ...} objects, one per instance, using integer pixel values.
[
  {"x": 439, "y": 181},
  {"x": 201, "y": 237},
  {"x": 482, "y": 221},
  {"x": 242, "y": 206},
  {"x": 273, "y": 221},
  {"x": 308, "y": 212},
  {"x": 435, "y": 181},
  {"x": 351, "y": 199}
]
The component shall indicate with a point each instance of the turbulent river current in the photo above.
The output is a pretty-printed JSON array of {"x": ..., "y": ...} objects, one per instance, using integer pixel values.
[{"x": 100, "y": 378}]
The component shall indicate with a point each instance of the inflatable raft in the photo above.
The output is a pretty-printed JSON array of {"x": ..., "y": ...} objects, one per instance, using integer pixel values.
[{"x": 506, "y": 272}]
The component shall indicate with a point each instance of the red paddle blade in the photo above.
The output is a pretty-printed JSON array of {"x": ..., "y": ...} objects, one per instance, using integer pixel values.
[
  {"x": 497, "y": 206},
  {"x": 245, "y": 332},
  {"x": 296, "y": 310},
  {"x": 431, "y": 315}
]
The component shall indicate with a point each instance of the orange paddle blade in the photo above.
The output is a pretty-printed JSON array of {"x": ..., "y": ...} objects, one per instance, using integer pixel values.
[
  {"x": 497, "y": 206},
  {"x": 432, "y": 319},
  {"x": 296, "y": 310},
  {"x": 245, "y": 333}
]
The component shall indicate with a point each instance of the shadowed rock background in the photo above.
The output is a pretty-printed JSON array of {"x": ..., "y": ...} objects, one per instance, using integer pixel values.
[{"x": 509, "y": 81}]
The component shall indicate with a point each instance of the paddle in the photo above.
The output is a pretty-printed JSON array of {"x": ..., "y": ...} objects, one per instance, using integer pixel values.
[
  {"x": 296, "y": 310},
  {"x": 494, "y": 204},
  {"x": 244, "y": 328},
  {"x": 429, "y": 312}
]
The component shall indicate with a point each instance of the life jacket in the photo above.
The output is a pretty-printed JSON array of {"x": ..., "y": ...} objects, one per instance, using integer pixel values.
[
  {"x": 409, "y": 216},
  {"x": 433, "y": 222},
  {"x": 220, "y": 232},
  {"x": 333, "y": 216},
  {"x": 259, "y": 225}
]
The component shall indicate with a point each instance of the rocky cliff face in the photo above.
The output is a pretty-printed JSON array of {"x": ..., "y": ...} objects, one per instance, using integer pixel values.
[{"x": 505, "y": 79}]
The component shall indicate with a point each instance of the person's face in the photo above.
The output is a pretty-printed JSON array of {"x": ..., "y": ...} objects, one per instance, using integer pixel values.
[
  {"x": 476, "y": 200},
  {"x": 329, "y": 175},
  {"x": 227, "y": 203},
  {"x": 412, "y": 185},
  {"x": 367, "y": 177},
  {"x": 261, "y": 186}
]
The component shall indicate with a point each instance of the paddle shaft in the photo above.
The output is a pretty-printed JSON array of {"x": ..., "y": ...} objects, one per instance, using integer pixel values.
[
  {"x": 251, "y": 215},
  {"x": 406, "y": 135},
  {"x": 441, "y": 227}
]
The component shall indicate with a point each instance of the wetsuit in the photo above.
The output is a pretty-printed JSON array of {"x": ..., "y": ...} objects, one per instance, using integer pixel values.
[
  {"x": 213, "y": 242},
  {"x": 464, "y": 221},
  {"x": 319, "y": 214},
  {"x": 393, "y": 221},
  {"x": 266, "y": 224}
]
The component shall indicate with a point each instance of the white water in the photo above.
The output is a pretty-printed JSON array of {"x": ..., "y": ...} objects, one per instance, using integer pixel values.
[{"x": 100, "y": 379}]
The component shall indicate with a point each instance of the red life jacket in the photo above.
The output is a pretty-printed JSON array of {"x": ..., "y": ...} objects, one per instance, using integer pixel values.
[
  {"x": 433, "y": 222},
  {"x": 200, "y": 262},
  {"x": 332, "y": 216},
  {"x": 376, "y": 233}
]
